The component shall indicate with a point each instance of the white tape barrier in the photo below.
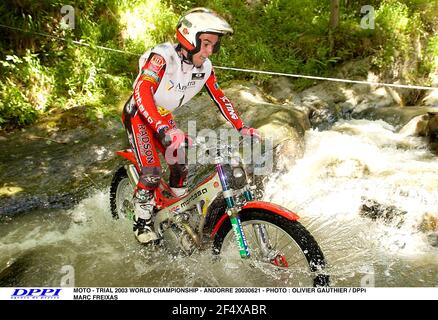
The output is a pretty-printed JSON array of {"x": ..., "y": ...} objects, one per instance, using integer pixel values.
[{"x": 404, "y": 86}]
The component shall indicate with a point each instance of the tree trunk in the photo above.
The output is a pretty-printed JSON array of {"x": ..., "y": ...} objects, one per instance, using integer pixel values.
[
  {"x": 334, "y": 14},
  {"x": 334, "y": 22}
]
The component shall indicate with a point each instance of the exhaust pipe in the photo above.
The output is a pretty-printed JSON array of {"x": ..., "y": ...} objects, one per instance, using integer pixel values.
[{"x": 132, "y": 174}]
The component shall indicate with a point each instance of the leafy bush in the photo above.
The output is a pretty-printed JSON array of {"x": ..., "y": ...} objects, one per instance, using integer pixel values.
[
  {"x": 39, "y": 73},
  {"x": 26, "y": 90}
]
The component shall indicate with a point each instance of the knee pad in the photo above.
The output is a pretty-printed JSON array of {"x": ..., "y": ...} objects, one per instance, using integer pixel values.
[{"x": 150, "y": 177}]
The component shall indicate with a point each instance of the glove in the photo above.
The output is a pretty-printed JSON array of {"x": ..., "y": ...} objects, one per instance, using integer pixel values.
[
  {"x": 173, "y": 138},
  {"x": 250, "y": 132}
]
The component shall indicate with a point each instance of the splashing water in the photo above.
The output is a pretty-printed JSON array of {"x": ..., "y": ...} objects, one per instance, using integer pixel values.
[
  {"x": 354, "y": 162},
  {"x": 37, "y": 247},
  {"x": 343, "y": 168}
]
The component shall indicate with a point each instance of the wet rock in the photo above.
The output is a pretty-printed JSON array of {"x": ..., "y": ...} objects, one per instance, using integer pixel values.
[
  {"x": 425, "y": 125},
  {"x": 432, "y": 238},
  {"x": 432, "y": 126},
  {"x": 285, "y": 124},
  {"x": 11, "y": 274},
  {"x": 323, "y": 95},
  {"x": 416, "y": 127},
  {"x": 347, "y": 108},
  {"x": 431, "y": 98},
  {"x": 36, "y": 267},
  {"x": 280, "y": 89},
  {"x": 378, "y": 98},
  {"x": 27, "y": 202},
  {"x": 396, "y": 116},
  {"x": 376, "y": 211},
  {"x": 429, "y": 223},
  {"x": 323, "y": 119},
  {"x": 59, "y": 173}
]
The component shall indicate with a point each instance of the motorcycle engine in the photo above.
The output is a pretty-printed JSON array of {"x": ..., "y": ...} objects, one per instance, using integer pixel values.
[{"x": 177, "y": 240}]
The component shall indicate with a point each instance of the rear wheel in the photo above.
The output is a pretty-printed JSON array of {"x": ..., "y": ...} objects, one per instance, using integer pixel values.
[
  {"x": 278, "y": 247},
  {"x": 121, "y": 193}
]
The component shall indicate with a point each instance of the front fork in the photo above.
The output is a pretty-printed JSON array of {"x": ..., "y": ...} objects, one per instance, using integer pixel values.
[
  {"x": 271, "y": 255},
  {"x": 233, "y": 212}
]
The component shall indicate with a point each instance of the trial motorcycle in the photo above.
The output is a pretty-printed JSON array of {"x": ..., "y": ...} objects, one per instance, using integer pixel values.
[{"x": 221, "y": 213}]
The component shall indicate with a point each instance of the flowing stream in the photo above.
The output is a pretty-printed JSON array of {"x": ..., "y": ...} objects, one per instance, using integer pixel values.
[{"x": 357, "y": 167}]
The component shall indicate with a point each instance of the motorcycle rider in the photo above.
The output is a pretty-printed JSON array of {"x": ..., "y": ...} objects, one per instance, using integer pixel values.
[{"x": 169, "y": 77}]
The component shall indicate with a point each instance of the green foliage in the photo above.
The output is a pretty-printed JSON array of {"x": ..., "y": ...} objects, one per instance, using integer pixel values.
[
  {"x": 430, "y": 62},
  {"x": 14, "y": 106},
  {"x": 395, "y": 27},
  {"x": 39, "y": 73},
  {"x": 432, "y": 46},
  {"x": 146, "y": 23},
  {"x": 292, "y": 35},
  {"x": 26, "y": 90}
]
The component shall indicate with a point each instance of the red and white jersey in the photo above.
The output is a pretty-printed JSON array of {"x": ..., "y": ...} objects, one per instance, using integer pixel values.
[
  {"x": 180, "y": 81},
  {"x": 165, "y": 82}
]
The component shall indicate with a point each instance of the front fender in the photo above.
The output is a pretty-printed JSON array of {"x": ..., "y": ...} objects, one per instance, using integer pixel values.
[
  {"x": 261, "y": 205},
  {"x": 275, "y": 208}
]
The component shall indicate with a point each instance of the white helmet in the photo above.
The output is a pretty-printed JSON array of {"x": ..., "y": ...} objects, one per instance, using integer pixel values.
[{"x": 197, "y": 21}]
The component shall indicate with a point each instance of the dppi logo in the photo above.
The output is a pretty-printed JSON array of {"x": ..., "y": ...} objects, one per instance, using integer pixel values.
[{"x": 36, "y": 294}]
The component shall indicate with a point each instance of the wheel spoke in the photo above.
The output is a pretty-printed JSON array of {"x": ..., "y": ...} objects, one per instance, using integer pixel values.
[
  {"x": 124, "y": 198},
  {"x": 254, "y": 229},
  {"x": 290, "y": 257},
  {"x": 296, "y": 261}
]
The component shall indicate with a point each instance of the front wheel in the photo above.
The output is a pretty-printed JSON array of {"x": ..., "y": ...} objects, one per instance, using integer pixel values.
[
  {"x": 278, "y": 247},
  {"x": 121, "y": 193}
]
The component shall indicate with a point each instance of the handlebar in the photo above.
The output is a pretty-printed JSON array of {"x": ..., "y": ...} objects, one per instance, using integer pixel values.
[{"x": 221, "y": 151}]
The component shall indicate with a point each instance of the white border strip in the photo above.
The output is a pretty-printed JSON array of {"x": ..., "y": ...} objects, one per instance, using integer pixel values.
[{"x": 225, "y": 293}]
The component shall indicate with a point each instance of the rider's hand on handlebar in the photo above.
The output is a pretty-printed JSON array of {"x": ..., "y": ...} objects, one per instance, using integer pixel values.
[{"x": 250, "y": 132}]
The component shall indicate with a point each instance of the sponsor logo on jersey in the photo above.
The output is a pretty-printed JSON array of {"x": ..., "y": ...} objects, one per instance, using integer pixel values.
[
  {"x": 198, "y": 76},
  {"x": 157, "y": 62},
  {"x": 138, "y": 100},
  {"x": 183, "y": 88},
  {"x": 229, "y": 107},
  {"x": 144, "y": 143},
  {"x": 170, "y": 85},
  {"x": 151, "y": 76},
  {"x": 163, "y": 111}
]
